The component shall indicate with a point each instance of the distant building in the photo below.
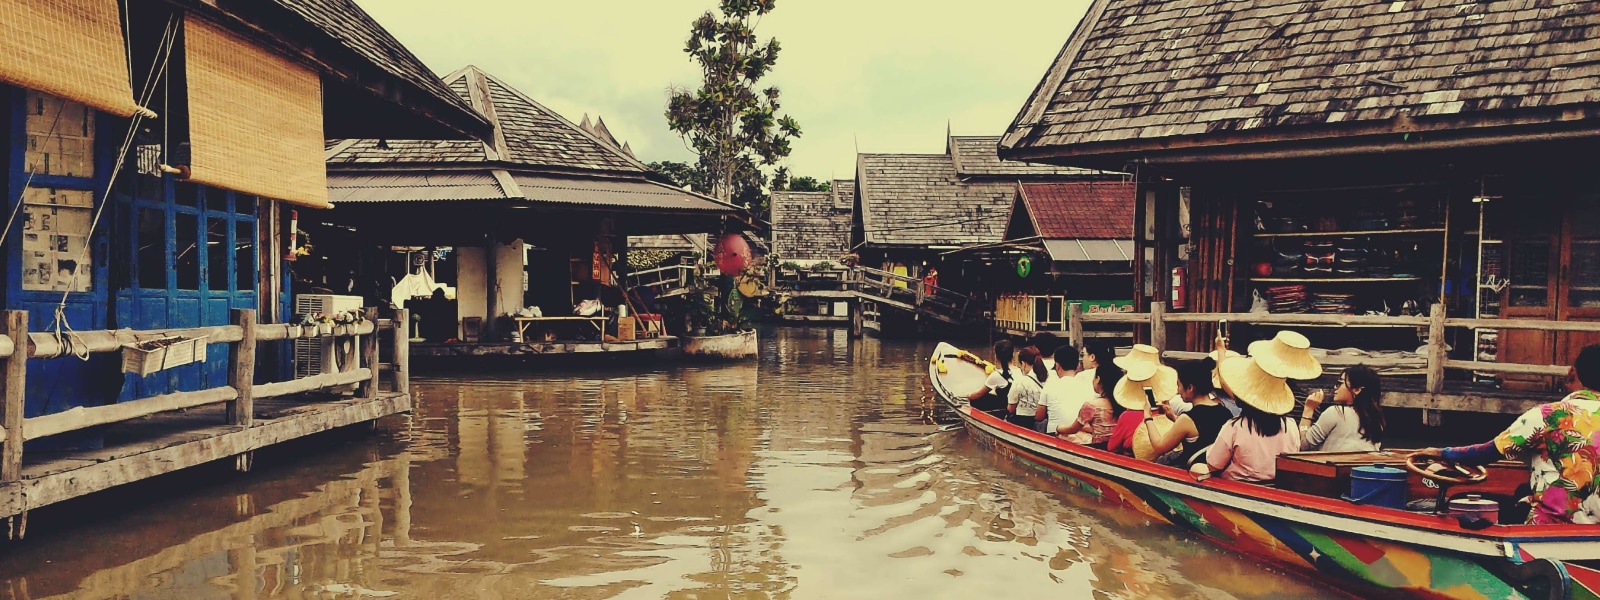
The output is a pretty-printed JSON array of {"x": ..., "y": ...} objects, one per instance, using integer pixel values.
[{"x": 808, "y": 227}]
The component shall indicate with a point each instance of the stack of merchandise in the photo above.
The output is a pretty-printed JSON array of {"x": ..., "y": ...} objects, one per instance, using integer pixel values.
[
  {"x": 1286, "y": 299},
  {"x": 1333, "y": 304}
]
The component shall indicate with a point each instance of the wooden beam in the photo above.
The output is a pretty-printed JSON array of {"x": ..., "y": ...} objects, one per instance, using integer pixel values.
[
  {"x": 1158, "y": 325},
  {"x": 402, "y": 352},
  {"x": 89, "y": 416},
  {"x": 242, "y": 370},
  {"x": 1075, "y": 324},
  {"x": 1436, "y": 349},
  {"x": 47, "y": 345},
  {"x": 369, "y": 354},
  {"x": 1495, "y": 367},
  {"x": 53, "y": 488},
  {"x": 313, "y": 383},
  {"x": 1534, "y": 324},
  {"x": 13, "y": 387}
]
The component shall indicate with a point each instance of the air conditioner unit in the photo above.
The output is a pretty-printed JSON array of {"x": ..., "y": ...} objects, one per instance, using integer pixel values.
[{"x": 316, "y": 356}]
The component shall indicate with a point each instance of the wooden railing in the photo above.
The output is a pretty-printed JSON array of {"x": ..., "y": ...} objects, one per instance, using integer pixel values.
[
  {"x": 662, "y": 281},
  {"x": 18, "y": 347},
  {"x": 1436, "y": 360}
]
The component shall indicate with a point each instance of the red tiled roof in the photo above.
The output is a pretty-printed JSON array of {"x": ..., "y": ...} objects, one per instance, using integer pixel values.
[{"x": 1087, "y": 210}]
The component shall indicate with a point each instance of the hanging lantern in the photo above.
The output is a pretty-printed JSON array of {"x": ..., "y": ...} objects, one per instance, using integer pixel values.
[
  {"x": 732, "y": 254},
  {"x": 1024, "y": 266}
]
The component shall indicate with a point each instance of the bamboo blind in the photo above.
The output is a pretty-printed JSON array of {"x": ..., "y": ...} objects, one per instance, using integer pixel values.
[
  {"x": 67, "y": 48},
  {"x": 255, "y": 119}
]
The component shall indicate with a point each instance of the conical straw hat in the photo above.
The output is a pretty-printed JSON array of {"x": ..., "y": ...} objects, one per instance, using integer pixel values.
[
  {"x": 1162, "y": 379},
  {"x": 1216, "y": 383},
  {"x": 1141, "y": 439},
  {"x": 1140, "y": 354},
  {"x": 1286, "y": 355},
  {"x": 1256, "y": 387}
]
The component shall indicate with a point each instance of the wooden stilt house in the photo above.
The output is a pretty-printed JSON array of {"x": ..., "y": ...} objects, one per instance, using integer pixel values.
[{"x": 1341, "y": 163}]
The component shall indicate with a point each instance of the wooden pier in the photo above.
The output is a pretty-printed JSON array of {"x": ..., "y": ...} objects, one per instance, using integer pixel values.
[
  {"x": 152, "y": 436},
  {"x": 529, "y": 349}
]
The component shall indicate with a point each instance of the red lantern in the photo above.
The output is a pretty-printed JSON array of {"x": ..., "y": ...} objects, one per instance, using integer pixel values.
[{"x": 732, "y": 254}]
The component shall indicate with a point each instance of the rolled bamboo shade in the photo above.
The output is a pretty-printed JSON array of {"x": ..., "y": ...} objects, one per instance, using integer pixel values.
[
  {"x": 255, "y": 119},
  {"x": 72, "y": 49}
]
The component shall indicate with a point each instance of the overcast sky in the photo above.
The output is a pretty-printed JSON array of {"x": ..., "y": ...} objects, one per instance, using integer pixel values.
[{"x": 881, "y": 75}]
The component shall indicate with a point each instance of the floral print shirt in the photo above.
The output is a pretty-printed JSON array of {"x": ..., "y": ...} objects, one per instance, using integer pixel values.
[{"x": 1563, "y": 441}]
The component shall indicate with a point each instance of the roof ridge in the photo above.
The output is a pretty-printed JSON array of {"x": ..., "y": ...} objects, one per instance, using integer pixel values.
[{"x": 559, "y": 117}]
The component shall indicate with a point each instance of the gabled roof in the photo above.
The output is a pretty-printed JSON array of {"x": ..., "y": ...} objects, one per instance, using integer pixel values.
[
  {"x": 348, "y": 26},
  {"x": 979, "y": 156},
  {"x": 918, "y": 200},
  {"x": 1087, "y": 210},
  {"x": 1145, "y": 75},
  {"x": 813, "y": 225},
  {"x": 526, "y": 134}
]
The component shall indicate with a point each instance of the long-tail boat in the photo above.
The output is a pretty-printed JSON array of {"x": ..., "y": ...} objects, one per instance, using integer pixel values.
[{"x": 1364, "y": 549}]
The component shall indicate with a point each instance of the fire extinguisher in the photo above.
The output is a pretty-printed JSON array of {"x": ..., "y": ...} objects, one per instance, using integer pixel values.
[{"x": 1179, "y": 301}]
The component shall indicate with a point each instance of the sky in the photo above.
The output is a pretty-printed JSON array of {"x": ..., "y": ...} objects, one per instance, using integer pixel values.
[{"x": 867, "y": 75}]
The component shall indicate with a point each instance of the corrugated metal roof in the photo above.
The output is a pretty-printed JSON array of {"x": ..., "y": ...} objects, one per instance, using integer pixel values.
[
  {"x": 1076, "y": 250},
  {"x": 412, "y": 186},
  {"x": 621, "y": 193}
]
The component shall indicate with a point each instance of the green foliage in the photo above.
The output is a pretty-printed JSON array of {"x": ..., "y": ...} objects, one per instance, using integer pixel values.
[
  {"x": 809, "y": 184},
  {"x": 733, "y": 126},
  {"x": 683, "y": 175},
  {"x": 715, "y": 304}
]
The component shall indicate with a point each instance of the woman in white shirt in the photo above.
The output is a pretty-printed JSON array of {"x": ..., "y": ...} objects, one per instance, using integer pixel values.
[{"x": 1354, "y": 423}]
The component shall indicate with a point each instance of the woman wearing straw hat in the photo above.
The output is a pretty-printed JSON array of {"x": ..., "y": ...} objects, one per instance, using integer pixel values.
[
  {"x": 1196, "y": 429},
  {"x": 1143, "y": 370},
  {"x": 1248, "y": 446}
]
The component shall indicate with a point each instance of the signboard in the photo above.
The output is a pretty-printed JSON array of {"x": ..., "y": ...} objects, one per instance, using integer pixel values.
[{"x": 1103, "y": 307}]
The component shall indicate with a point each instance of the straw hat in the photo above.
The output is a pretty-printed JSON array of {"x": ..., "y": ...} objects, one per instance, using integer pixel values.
[
  {"x": 1140, "y": 354},
  {"x": 1161, "y": 379},
  {"x": 1141, "y": 439},
  {"x": 1219, "y": 359},
  {"x": 1286, "y": 355},
  {"x": 1256, "y": 387}
]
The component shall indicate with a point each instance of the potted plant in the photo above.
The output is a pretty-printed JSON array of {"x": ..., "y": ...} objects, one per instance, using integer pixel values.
[{"x": 319, "y": 322}]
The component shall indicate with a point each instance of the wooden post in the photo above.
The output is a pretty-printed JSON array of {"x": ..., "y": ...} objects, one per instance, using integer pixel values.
[
  {"x": 13, "y": 387},
  {"x": 857, "y": 317},
  {"x": 1436, "y": 351},
  {"x": 1158, "y": 325},
  {"x": 369, "y": 354},
  {"x": 242, "y": 370},
  {"x": 402, "y": 351},
  {"x": 1075, "y": 324}
]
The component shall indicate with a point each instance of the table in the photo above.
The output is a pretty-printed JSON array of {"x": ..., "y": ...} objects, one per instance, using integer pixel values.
[{"x": 524, "y": 322}]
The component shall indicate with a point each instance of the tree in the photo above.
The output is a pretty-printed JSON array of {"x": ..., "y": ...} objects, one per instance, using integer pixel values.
[
  {"x": 809, "y": 184},
  {"x": 732, "y": 126},
  {"x": 682, "y": 174}
]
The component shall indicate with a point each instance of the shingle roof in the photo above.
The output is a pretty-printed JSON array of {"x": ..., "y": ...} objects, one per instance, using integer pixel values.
[
  {"x": 813, "y": 225},
  {"x": 532, "y": 136},
  {"x": 351, "y": 27},
  {"x": 1089, "y": 210},
  {"x": 478, "y": 185},
  {"x": 918, "y": 200},
  {"x": 979, "y": 156},
  {"x": 1136, "y": 73}
]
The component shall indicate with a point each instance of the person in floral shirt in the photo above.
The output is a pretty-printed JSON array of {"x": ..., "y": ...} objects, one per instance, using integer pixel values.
[{"x": 1562, "y": 439}]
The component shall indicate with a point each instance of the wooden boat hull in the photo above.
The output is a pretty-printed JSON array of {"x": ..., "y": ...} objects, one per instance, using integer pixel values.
[
  {"x": 1363, "y": 549},
  {"x": 734, "y": 346}
]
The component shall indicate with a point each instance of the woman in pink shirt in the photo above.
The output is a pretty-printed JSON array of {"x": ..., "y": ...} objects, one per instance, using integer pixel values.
[{"x": 1248, "y": 446}]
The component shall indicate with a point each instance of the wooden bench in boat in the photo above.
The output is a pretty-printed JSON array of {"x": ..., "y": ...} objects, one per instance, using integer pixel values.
[{"x": 1327, "y": 474}]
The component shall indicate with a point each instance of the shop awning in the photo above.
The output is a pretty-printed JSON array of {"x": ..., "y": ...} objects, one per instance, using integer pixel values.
[
  {"x": 255, "y": 119},
  {"x": 1076, "y": 250},
  {"x": 72, "y": 49},
  {"x": 616, "y": 193}
]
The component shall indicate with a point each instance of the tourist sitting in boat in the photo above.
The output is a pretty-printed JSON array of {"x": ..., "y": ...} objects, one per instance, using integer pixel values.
[
  {"x": 1562, "y": 439},
  {"x": 1197, "y": 428},
  {"x": 1099, "y": 415},
  {"x": 992, "y": 397},
  {"x": 1247, "y": 447},
  {"x": 1047, "y": 345},
  {"x": 1355, "y": 421},
  {"x": 1142, "y": 368},
  {"x": 1025, "y": 404},
  {"x": 1066, "y": 393},
  {"x": 1178, "y": 406}
]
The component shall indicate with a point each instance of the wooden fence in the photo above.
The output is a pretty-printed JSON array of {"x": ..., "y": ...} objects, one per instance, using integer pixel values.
[
  {"x": 1436, "y": 360},
  {"x": 18, "y": 347}
]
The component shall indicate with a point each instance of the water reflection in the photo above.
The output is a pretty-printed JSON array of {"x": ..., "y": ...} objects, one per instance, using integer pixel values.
[{"x": 814, "y": 474}]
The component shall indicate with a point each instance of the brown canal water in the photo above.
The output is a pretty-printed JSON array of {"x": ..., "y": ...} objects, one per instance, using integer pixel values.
[{"x": 813, "y": 474}]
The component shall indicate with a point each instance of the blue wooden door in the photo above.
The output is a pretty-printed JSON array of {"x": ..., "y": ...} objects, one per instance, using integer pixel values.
[
  {"x": 191, "y": 253},
  {"x": 55, "y": 261}
]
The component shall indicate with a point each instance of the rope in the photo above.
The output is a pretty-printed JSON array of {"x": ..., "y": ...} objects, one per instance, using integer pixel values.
[{"x": 62, "y": 330}]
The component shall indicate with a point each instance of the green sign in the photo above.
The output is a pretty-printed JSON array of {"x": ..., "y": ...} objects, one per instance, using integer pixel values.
[
  {"x": 1024, "y": 266},
  {"x": 1101, "y": 307}
]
